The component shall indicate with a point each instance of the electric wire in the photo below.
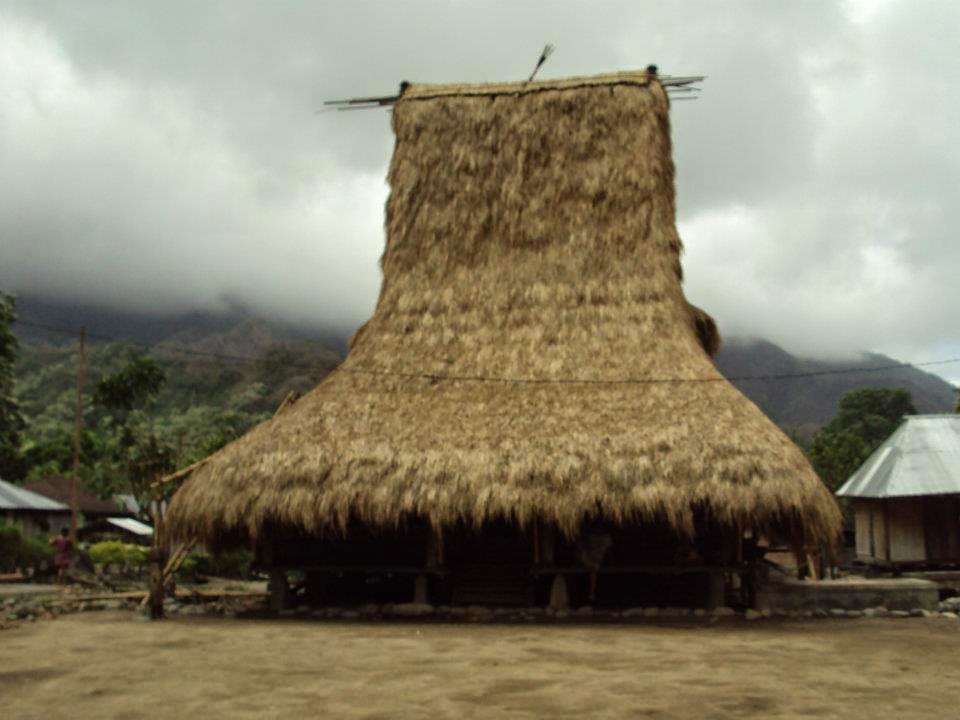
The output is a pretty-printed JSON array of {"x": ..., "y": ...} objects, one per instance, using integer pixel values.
[{"x": 437, "y": 377}]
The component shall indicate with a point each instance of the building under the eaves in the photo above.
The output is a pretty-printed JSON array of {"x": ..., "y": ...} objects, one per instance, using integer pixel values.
[
  {"x": 533, "y": 404},
  {"x": 34, "y": 512},
  {"x": 906, "y": 496}
]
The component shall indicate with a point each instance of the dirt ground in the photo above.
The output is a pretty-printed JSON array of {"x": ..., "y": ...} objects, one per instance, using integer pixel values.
[{"x": 107, "y": 665}]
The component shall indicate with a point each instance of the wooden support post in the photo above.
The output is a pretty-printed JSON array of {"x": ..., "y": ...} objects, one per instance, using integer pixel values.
[
  {"x": 715, "y": 591},
  {"x": 155, "y": 596},
  {"x": 559, "y": 597},
  {"x": 280, "y": 596},
  {"x": 173, "y": 564},
  {"x": 157, "y": 558},
  {"x": 421, "y": 592},
  {"x": 749, "y": 579}
]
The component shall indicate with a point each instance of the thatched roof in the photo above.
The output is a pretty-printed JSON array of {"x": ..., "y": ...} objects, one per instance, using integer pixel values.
[{"x": 531, "y": 354}]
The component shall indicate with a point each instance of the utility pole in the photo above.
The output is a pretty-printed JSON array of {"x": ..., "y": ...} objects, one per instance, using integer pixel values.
[{"x": 78, "y": 424}]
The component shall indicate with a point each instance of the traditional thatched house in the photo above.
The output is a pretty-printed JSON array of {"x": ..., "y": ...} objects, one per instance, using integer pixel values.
[
  {"x": 533, "y": 396},
  {"x": 906, "y": 496}
]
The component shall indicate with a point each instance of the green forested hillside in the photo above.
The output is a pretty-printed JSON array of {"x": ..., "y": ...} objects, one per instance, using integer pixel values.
[{"x": 216, "y": 387}]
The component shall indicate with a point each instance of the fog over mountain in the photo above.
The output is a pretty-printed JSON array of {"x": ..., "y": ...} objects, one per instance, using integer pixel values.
[{"x": 168, "y": 158}]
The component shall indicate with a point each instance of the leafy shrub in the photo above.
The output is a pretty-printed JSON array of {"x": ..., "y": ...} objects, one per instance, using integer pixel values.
[
  {"x": 36, "y": 553},
  {"x": 20, "y": 551},
  {"x": 115, "y": 552}
]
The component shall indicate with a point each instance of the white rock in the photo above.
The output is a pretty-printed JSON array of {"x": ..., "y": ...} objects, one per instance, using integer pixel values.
[
  {"x": 633, "y": 612},
  {"x": 723, "y": 611},
  {"x": 478, "y": 612},
  {"x": 838, "y": 612},
  {"x": 752, "y": 614},
  {"x": 949, "y": 615},
  {"x": 412, "y": 609}
]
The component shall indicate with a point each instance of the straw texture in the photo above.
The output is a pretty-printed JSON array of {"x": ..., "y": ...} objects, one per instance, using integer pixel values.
[{"x": 531, "y": 355}]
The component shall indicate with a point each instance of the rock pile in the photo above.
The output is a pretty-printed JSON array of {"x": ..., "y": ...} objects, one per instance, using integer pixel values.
[{"x": 30, "y": 608}]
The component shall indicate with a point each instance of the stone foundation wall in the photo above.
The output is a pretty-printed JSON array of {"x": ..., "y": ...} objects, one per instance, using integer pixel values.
[{"x": 847, "y": 594}]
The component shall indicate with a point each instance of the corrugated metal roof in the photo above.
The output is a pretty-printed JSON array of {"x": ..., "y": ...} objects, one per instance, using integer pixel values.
[
  {"x": 130, "y": 525},
  {"x": 58, "y": 488},
  {"x": 921, "y": 458},
  {"x": 13, "y": 497}
]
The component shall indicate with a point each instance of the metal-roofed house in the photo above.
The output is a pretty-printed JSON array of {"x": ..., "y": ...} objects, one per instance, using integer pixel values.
[
  {"x": 906, "y": 496},
  {"x": 35, "y": 512}
]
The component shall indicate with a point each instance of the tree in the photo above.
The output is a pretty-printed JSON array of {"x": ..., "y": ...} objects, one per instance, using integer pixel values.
[
  {"x": 136, "y": 385},
  {"x": 134, "y": 455},
  {"x": 865, "y": 418},
  {"x": 11, "y": 419}
]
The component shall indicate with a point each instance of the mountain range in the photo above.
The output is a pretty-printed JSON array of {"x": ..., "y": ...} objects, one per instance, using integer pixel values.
[{"x": 799, "y": 394}]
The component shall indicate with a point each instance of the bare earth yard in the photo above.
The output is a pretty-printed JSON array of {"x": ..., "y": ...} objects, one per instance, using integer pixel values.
[{"x": 105, "y": 665}]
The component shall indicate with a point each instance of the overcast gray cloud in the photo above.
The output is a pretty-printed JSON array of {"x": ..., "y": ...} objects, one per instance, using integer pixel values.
[{"x": 169, "y": 156}]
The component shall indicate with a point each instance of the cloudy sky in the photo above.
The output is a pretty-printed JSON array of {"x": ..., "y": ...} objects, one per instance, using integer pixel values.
[{"x": 169, "y": 156}]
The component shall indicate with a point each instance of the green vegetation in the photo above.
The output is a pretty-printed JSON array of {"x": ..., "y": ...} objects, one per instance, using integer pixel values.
[
  {"x": 115, "y": 552},
  {"x": 865, "y": 419},
  {"x": 146, "y": 414},
  {"x": 11, "y": 419},
  {"x": 21, "y": 551}
]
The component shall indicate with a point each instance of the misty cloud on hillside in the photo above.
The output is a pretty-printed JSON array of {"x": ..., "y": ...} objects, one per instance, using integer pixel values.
[{"x": 169, "y": 157}]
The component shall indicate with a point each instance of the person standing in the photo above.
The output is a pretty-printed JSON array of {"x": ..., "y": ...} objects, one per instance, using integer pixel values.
[{"x": 63, "y": 547}]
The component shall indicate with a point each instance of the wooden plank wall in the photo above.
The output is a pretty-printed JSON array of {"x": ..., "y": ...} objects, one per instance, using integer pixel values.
[{"x": 907, "y": 538}]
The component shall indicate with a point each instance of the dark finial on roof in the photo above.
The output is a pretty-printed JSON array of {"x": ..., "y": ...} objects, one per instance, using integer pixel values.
[
  {"x": 404, "y": 84},
  {"x": 547, "y": 52},
  {"x": 652, "y": 70}
]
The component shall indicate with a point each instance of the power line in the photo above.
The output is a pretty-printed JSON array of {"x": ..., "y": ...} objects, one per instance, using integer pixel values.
[
  {"x": 645, "y": 381},
  {"x": 146, "y": 346},
  {"x": 436, "y": 377}
]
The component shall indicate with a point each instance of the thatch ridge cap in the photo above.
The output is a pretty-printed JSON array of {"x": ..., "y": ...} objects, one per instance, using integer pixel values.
[{"x": 430, "y": 91}]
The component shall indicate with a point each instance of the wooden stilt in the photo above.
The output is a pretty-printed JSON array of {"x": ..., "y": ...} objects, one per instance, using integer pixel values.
[
  {"x": 280, "y": 597},
  {"x": 715, "y": 592},
  {"x": 559, "y": 598},
  {"x": 157, "y": 558},
  {"x": 421, "y": 590},
  {"x": 173, "y": 564}
]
